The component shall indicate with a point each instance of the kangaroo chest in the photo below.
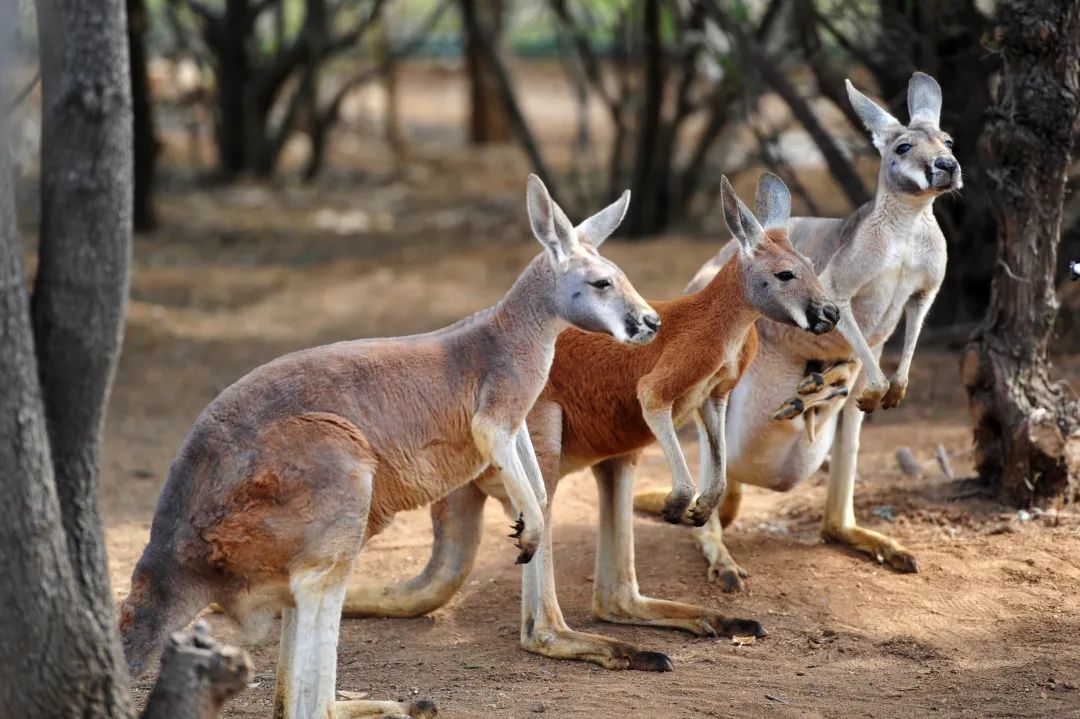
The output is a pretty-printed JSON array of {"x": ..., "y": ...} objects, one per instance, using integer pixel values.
[{"x": 879, "y": 304}]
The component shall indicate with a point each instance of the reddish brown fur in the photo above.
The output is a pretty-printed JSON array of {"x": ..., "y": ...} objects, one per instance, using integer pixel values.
[{"x": 600, "y": 384}]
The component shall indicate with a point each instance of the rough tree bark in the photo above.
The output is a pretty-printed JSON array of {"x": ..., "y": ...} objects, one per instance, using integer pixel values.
[
  {"x": 80, "y": 291},
  {"x": 1027, "y": 428},
  {"x": 51, "y": 660},
  {"x": 488, "y": 120}
]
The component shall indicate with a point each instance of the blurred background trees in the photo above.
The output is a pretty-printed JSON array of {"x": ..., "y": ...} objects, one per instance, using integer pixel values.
[{"x": 666, "y": 95}]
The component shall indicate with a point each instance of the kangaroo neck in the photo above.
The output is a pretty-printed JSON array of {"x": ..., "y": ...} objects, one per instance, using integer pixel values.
[
  {"x": 727, "y": 296},
  {"x": 526, "y": 316},
  {"x": 899, "y": 212}
]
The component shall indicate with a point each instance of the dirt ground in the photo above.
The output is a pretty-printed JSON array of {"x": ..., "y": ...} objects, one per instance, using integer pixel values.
[{"x": 236, "y": 276}]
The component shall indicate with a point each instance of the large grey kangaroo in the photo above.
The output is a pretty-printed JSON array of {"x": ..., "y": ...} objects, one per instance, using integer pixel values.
[
  {"x": 291, "y": 469},
  {"x": 885, "y": 261}
]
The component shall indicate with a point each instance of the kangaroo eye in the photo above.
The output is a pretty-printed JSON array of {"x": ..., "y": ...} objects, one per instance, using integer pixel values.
[
  {"x": 785, "y": 276},
  {"x": 949, "y": 144},
  {"x": 902, "y": 148},
  {"x": 601, "y": 284}
]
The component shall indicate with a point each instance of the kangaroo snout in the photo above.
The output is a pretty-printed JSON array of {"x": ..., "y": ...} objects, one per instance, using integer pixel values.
[
  {"x": 823, "y": 318},
  {"x": 643, "y": 328},
  {"x": 947, "y": 164},
  {"x": 945, "y": 173}
]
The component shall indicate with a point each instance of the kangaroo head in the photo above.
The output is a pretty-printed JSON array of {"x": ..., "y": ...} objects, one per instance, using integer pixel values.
[
  {"x": 591, "y": 293},
  {"x": 917, "y": 159},
  {"x": 779, "y": 282}
]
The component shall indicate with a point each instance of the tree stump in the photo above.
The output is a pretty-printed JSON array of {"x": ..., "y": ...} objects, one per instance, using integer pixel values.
[{"x": 197, "y": 676}]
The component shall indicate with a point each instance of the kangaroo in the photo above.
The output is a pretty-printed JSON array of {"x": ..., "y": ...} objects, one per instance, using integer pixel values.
[
  {"x": 290, "y": 470},
  {"x": 885, "y": 260},
  {"x": 602, "y": 405}
]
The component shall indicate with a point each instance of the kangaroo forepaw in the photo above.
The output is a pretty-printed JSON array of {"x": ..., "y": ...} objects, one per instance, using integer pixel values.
[
  {"x": 791, "y": 409},
  {"x": 870, "y": 399},
  {"x": 518, "y": 527},
  {"x": 895, "y": 395},
  {"x": 675, "y": 506},
  {"x": 812, "y": 382},
  {"x": 527, "y": 545},
  {"x": 701, "y": 511}
]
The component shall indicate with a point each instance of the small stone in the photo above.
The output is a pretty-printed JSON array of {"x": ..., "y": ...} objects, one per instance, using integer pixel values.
[{"x": 539, "y": 708}]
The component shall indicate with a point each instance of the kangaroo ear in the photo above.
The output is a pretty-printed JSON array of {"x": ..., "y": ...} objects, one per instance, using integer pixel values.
[
  {"x": 600, "y": 226},
  {"x": 772, "y": 203},
  {"x": 877, "y": 120},
  {"x": 742, "y": 223},
  {"x": 549, "y": 223},
  {"x": 924, "y": 99}
]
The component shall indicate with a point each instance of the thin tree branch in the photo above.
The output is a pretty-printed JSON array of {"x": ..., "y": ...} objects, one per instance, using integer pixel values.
[
  {"x": 25, "y": 92},
  {"x": 406, "y": 48},
  {"x": 200, "y": 9},
  {"x": 839, "y": 166}
]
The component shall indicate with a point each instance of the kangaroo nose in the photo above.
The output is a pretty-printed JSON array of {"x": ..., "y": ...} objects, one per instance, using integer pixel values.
[
  {"x": 832, "y": 313},
  {"x": 652, "y": 321},
  {"x": 947, "y": 164}
]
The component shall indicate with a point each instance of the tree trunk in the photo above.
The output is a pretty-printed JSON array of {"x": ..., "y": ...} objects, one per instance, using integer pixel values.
[
  {"x": 475, "y": 29},
  {"x": 642, "y": 215},
  {"x": 41, "y": 638},
  {"x": 1027, "y": 429},
  {"x": 81, "y": 287},
  {"x": 227, "y": 38},
  {"x": 146, "y": 147},
  {"x": 60, "y": 656},
  {"x": 488, "y": 120}
]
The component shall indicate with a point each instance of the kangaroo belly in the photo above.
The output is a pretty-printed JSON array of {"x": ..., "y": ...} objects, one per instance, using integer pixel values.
[{"x": 762, "y": 451}]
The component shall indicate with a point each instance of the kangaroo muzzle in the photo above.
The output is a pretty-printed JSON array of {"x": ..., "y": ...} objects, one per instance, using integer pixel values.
[
  {"x": 822, "y": 318},
  {"x": 641, "y": 329},
  {"x": 945, "y": 173}
]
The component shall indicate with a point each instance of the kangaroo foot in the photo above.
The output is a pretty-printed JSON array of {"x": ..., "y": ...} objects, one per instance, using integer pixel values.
[
  {"x": 581, "y": 646},
  {"x": 421, "y": 709},
  {"x": 723, "y": 568},
  {"x": 677, "y": 615},
  {"x": 883, "y": 549}
]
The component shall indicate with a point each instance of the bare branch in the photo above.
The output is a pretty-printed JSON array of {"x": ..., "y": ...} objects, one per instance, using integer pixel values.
[
  {"x": 25, "y": 92},
  {"x": 839, "y": 166},
  {"x": 406, "y": 48},
  {"x": 199, "y": 9},
  {"x": 590, "y": 63}
]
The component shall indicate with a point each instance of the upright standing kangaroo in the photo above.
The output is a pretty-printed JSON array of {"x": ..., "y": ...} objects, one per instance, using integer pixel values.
[
  {"x": 885, "y": 260},
  {"x": 603, "y": 404},
  {"x": 290, "y": 470}
]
